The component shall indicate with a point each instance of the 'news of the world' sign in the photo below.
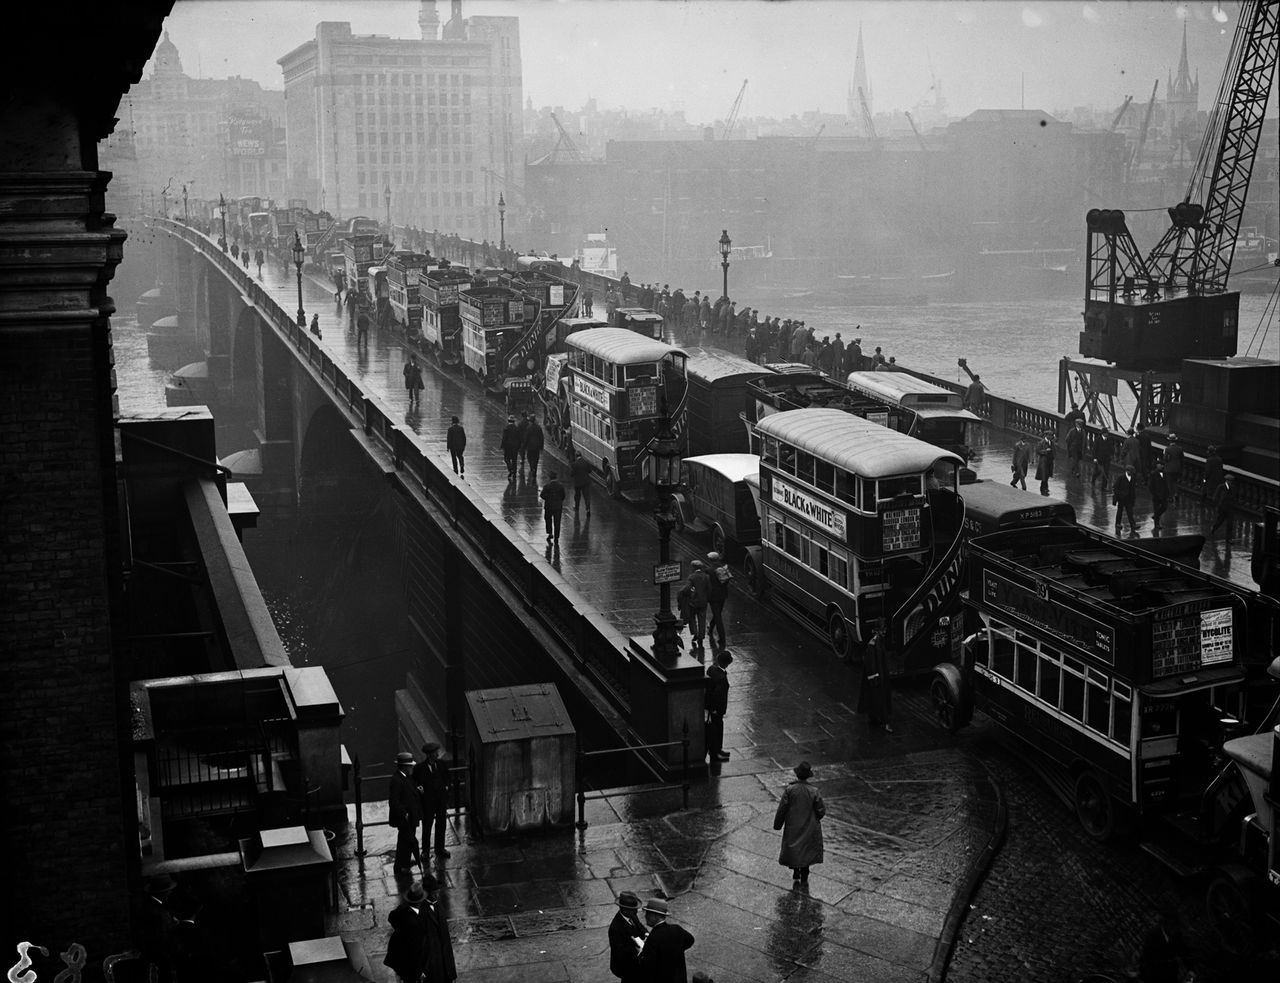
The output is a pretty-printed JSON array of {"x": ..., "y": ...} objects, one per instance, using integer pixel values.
[
  {"x": 816, "y": 511},
  {"x": 596, "y": 395}
]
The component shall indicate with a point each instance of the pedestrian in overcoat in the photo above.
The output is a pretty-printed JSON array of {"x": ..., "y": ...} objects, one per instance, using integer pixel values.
[
  {"x": 1021, "y": 462},
  {"x": 1044, "y": 461},
  {"x": 1123, "y": 492},
  {"x": 432, "y": 777},
  {"x": 455, "y": 441},
  {"x": 534, "y": 441},
  {"x": 511, "y": 443},
  {"x": 438, "y": 962},
  {"x": 799, "y": 816},
  {"x": 716, "y": 703},
  {"x": 404, "y": 812},
  {"x": 662, "y": 959},
  {"x": 626, "y": 938},
  {"x": 407, "y": 946},
  {"x": 875, "y": 697}
]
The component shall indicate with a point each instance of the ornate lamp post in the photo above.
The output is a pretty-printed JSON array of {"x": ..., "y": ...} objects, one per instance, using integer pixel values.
[
  {"x": 502, "y": 223},
  {"x": 666, "y": 462},
  {"x": 164, "y": 202},
  {"x": 186, "y": 215},
  {"x": 298, "y": 254},
  {"x": 387, "y": 197},
  {"x": 725, "y": 245},
  {"x": 222, "y": 211}
]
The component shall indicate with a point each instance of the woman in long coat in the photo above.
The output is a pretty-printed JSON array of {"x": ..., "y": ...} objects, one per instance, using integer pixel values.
[
  {"x": 1044, "y": 462},
  {"x": 799, "y": 817}
]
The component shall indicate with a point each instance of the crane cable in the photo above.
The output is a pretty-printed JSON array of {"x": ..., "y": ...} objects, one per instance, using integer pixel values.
[{"x": 1265, "y": 320}]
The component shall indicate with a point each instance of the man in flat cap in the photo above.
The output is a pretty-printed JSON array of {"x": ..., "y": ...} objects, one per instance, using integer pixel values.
[
  {"x": 662, "y": 959},
  {"x": 431, "y": 775},
  {"x": 626, "y": 939},
  {"x": 405, "y": 812}
]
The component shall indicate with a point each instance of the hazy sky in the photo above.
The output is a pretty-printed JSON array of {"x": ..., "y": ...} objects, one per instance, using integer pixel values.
[{"x": 796, "y": 54}]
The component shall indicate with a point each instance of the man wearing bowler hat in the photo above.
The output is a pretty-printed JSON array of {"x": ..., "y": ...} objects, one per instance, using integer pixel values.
[
  {"x": 405, "y": 812},
  {"x": 431, "y": 775},
  {"x": 626, "y": 939},
  {"x": 662, "y": 959},
  {"x": 406, "y": 949}
]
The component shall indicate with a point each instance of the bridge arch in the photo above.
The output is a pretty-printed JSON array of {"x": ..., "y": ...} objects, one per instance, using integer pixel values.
[{"x": 334, "y": 473}]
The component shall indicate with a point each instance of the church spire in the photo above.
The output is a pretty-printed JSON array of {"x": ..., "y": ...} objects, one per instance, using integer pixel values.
[
  {"x": 1183, "y": 82},
  {"x": 860, "y": 76}
]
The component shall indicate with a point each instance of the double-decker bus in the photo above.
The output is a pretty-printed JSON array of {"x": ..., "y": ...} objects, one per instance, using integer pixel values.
[
  {"x": 861, "y": 524},
  {"x": 617, "y": 387},
  {"x": 404, "y": 274},
  {"x": 359, "y": 252},
  {"x": 932, "y": 413},
  {"x": 492, "y": 319},
  {"x": 1124, "y": 669},
  {"x": 783, "y": 386},
  {"x": 441, "y": 322}
]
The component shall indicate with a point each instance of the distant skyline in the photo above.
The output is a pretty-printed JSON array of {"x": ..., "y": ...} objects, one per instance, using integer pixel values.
[{"x": 797, "y": 56}]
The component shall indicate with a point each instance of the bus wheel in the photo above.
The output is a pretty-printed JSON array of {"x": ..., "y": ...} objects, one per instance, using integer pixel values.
[
  {"x": 838, "y": 633},
  {"x": 717, "y": 540},
  {"x": 1094, "y": 806},
  {"x": 946, "y": 703},
  {"x": 1229, "y": 903}
]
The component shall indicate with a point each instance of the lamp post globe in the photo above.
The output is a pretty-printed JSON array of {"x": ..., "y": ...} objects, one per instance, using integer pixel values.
[
  {"x": 665, "y": 451},
  {"x": 298, "y": 254},
  {"x": 726, "y": 244},
  {"x": 222, "y": 212},
  {"x": 502, "y": 222}
]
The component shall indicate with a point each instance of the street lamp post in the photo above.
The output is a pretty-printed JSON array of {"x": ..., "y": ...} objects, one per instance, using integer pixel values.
[
  {"x": 502, "y": 223},
  {"x": 387, "y": 196},
  {"x": 725, "y": 245},
  {"x": 222, "y": 211},
  {"x": 666, "y": 461},
  {"x": 186, "y": 214},
  {"x": 298, "y": 253},
  {"x": 164, "y": 202}
]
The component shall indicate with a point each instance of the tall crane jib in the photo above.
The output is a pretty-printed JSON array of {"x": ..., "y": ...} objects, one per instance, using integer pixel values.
[{"x": 1153, "y": 312}]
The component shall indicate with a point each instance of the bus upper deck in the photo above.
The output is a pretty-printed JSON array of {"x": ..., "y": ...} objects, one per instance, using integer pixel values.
[{"x": 930, "y": 412}]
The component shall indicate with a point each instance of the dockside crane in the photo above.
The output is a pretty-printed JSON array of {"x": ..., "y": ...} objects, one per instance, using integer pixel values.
[
  {"x": 1147, "y": 314},
  {"x": 1120, "y": 115},
  {"x": 1142, "y": 133},
  {"x": 867, "y": 122},
  {"x": 916, "y": 131},
  {"x": 732, "y": 121},
  {"x": 566, "y": 142}
]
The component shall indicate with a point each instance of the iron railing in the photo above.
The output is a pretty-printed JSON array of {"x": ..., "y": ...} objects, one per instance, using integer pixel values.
[{"x": 580, "y": 783}]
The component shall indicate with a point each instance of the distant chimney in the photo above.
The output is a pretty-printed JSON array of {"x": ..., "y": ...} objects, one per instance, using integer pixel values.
[
  {"x": 429, "y": 20},
  {"x": 456, "y": 29}
]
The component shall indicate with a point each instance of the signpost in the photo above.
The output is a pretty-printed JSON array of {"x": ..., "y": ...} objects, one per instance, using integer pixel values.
[{"x": 668, "y": 573}]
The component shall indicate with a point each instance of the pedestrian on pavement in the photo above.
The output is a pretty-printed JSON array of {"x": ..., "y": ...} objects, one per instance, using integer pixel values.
[
  {"x": 751, "y": 347},
  {"x": 511, "y": 443},
  {"x": 854, "y": 355},
  {"x": 975, "y": 395},
  {"x": 1225, "y": 499},
  {"x": 1131, "y": 451},
  {"x": 717, "y": 705},
  {"x": 412, "y": 379},
  {"x": 523, "y": 428},
  {"x": 580, "y": 474},
  {"x": 1102, "y": 451},
  {"x": 404, "y": 812},
  {"x": 799, "y": 816},
  {"x": 626, "y": 940},
  {"x": 1212, "y": 474},
  {"x": 662, "y": 959},
  {"x": 586, "y": 301},
  {"x": 455, "y": 441},
  {"x": 1123, "y": 493},
  {"x": 439, "y": 965},
  {"x": 315, "y": 325},
  {"x": 407, "y": 946},
  {"x": 1072, "y": 415},
  {"x": 1044, "y": 461},
  {"x": 875, "y": 696},
  {"x": 699, "y": 591},
  {"x": 1158, "y": 485},
  {"x": 1021, "y": 462},
  {"x": 552, "y": 496},
  {"x": 1173, "y": 461},
  {"x": 258, "y": 258},
  {"x": 1145, "y": 437},
  {"x": 533, "y": 444},
  {"x": 1075, "y": 447},
  {"x": 718, "y": 576},
  {"x": 877, "y": 359},
  {"x": 837, "y": 357},
  {"x": 432, "y": 777},
  {"x": 362, "y": 330}
]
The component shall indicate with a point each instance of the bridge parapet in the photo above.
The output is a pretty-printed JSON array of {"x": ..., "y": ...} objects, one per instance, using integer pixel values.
[{"x": 595, "y": 648}]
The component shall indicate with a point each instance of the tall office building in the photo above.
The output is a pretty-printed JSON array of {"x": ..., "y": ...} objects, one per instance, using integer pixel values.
[{"x": 434, "y": 120}]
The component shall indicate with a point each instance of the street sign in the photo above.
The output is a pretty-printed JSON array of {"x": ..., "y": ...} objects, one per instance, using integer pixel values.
[{"x": 667, "y": 573}]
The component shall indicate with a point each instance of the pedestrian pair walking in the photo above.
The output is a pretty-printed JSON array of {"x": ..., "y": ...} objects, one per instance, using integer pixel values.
[{"x": 419, "y": 949}]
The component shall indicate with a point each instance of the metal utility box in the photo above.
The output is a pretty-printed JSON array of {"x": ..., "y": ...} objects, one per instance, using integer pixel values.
[{"x": 525, "y": 749}]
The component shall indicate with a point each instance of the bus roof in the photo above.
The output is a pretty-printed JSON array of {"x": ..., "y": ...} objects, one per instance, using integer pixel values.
[
  {"x": 620, "y": 346},
  {"x": 713, "y": 365},
  {"x": 894, "y": 385},
  {"x": 994, "y": 499},
  {"x": 855, "y": 444},
  {"x": 734, "y": 467}
]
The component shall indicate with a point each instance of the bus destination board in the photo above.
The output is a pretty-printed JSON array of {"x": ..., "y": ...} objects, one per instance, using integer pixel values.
[
  {"x": 1051, "y": 616},
  {"x": 900, "y": 530},
  {"x": 642, "y": 402}
]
